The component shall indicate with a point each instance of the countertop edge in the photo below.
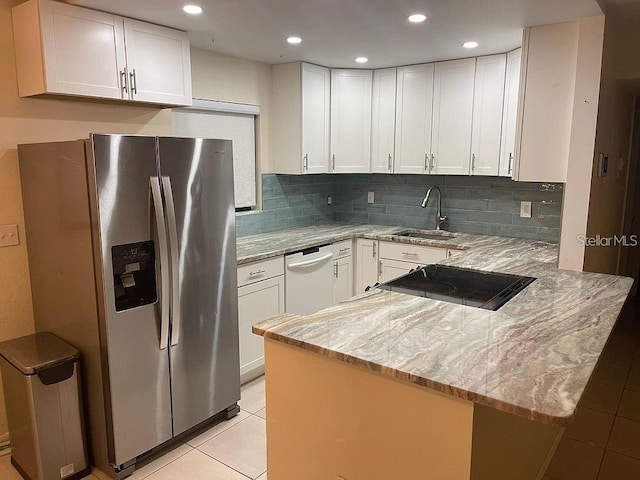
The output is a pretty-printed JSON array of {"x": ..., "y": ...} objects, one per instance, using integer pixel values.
[{"x": 444, "y": 388}]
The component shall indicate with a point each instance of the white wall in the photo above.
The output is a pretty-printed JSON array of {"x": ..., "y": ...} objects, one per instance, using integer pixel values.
[{"x": 582, "y": 140}]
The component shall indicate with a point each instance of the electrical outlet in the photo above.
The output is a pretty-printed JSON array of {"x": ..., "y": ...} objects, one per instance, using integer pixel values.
[
  {"x": 9, "y": 235},
  {"x": 329, "y": 200},
  {"x": 370, "y": 197},
  {"x": 525, "y": 209}
]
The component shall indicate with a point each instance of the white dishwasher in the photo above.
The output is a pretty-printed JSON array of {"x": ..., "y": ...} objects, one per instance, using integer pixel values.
[{"x": 309, "y": 280}]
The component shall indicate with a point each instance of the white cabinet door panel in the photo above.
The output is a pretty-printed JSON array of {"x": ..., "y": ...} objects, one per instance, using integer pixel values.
[
  {"x": 84, "y": 51},
  {"x": 413, "y": 118},
  {"x": 158, "y": 63},
  {"x": 351, "y": 121},
  {"x": 510, "y": 113},
  {"x": 383, "y": 120},
  {"x": 256, "y": 302},
  {"x": 342, "y": 280},
  {"x": 316, "y": 103},
  {"x": 452, "y": 116},
  {"x": 366, "y": 264},
  {"x": 487, "y": 114},
  {"x": 390, "y": 269}
]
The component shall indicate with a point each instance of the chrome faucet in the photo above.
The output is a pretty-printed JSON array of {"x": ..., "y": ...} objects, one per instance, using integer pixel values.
[{"x": 439, "y": 218}]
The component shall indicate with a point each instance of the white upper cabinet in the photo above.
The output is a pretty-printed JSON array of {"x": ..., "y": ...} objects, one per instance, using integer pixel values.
[
  {"x": 351, "y": 121},
  {"x": 158, "y": 63},
  {"x": 63, "y": 49},
  {"x": 487, "y": 114},
  {"x": 383, "y": 120},
  {"x": 79, "y": 52},
  {"x": 414, "y": 108},
  {"x": 316, "y": 88},
  {"x": 452, "y": 116},
  {"x": 510, "y": 112},
  {"x": 546, "y": 103},
  {"x": 300, "y": 118}
]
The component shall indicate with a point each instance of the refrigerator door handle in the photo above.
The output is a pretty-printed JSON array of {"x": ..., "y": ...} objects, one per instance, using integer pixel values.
[
  {"x": 164, "y": 261},
  {"x": 175, "y": 277}
]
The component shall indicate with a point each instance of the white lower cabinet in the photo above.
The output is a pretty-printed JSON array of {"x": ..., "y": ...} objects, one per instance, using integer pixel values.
[
  {"x": 390, "y": 269},
  {"x": 258, "y": 300},
  {"x": 397, "y": 259},
  {"x": 366, "y": 264},
  {"x": 342, "y": 280},
  {"x": 342, "y": 271}
]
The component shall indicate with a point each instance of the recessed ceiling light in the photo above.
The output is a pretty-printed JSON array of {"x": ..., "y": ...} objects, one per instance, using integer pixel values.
[
  {"x": 417, "y": 18},
  {"x": 192, "y": 9},
  {"x": 362, "y": 59},
  {"x": 470, "y": 44},
  {"x": 294, "y": 40}
]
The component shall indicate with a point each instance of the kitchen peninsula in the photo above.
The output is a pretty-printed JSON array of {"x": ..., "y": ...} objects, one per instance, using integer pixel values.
[{"x": 431, "y": 386}]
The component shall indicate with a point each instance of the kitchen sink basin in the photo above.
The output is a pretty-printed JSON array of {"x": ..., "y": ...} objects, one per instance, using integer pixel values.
[{"x": 427, "y": 236}]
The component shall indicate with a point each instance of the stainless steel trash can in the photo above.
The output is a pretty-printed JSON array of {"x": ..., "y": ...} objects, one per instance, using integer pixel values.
[{"x": 40, "y": 375}]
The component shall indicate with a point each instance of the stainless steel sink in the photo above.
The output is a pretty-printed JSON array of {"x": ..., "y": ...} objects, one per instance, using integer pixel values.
[{"x": 426, "y": 236}]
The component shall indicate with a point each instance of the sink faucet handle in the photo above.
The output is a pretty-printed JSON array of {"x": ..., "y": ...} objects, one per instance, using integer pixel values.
[{"x": 441, "y": 220}]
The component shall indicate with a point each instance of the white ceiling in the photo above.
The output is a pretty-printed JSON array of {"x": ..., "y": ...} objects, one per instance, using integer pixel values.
[{"x": 334, "y": 32}]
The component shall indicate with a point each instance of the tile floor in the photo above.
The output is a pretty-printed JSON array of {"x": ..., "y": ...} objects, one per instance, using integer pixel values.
[
  {"x": 231, "y": 450},
  {"x": 602, "y": 443}
]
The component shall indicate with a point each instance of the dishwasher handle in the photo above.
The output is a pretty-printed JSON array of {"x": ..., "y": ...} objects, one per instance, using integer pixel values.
[{"x": 310, "y": 263}]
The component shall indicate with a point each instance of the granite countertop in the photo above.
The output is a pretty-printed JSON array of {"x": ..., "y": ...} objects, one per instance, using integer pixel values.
[
  {"x": 532, "y": 358},
  {"x": 267, "y": 245}
]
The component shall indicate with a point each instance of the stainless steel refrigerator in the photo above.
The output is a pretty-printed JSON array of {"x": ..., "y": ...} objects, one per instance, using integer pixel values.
[{"x": 132, "y": 257}]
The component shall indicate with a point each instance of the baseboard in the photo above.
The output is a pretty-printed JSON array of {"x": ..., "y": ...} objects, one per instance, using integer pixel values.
[{"x": 4, "y": 437}]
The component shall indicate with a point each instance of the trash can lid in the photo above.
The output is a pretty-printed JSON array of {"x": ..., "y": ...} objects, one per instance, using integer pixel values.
[{"x": 34, "y": 353}]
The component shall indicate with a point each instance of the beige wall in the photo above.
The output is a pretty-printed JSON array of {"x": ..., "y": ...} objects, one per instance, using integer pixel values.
[
  {"x": 231, "y": 79},
  {"x": 39, "y": 120},
  {"x": 606, "y": 205}
]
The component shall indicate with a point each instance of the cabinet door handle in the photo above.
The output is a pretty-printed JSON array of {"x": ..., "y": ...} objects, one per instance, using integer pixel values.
[
  {"x": 510, "y": 161},
  {"x": 256, "y": 272},
  {"x": 433, "y": 157},
  {"x": 389, "y": 162},
  {"x": 123, "y": 81},
  {"x": 305, "y": 163},
  {"x": 335, "y": 269},
  {"x": 134, "y": 82},
  {"x": 473, "y": 162},
  {"x": 375, "y": 245},
  {"x": 410, "y": 254},
  {"x": 333, "y": 161},
  {"x": 380, "y": 269},
  {"x": 426, "y": 161}
]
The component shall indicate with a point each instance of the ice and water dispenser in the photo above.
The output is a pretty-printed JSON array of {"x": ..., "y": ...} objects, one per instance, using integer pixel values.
[{"x": 134, "y": 275}]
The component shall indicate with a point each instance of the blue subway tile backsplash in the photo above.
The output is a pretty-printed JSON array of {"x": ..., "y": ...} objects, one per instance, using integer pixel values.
[{"x": 483, "y": 205}]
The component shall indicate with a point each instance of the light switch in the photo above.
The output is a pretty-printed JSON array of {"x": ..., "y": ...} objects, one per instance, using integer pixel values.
[
  {"x": 370, "y": 197},
  {"x": 9, "y": 235},
  {"x": 329, "y": 200},
  {"x": 525, "y": 209}
]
